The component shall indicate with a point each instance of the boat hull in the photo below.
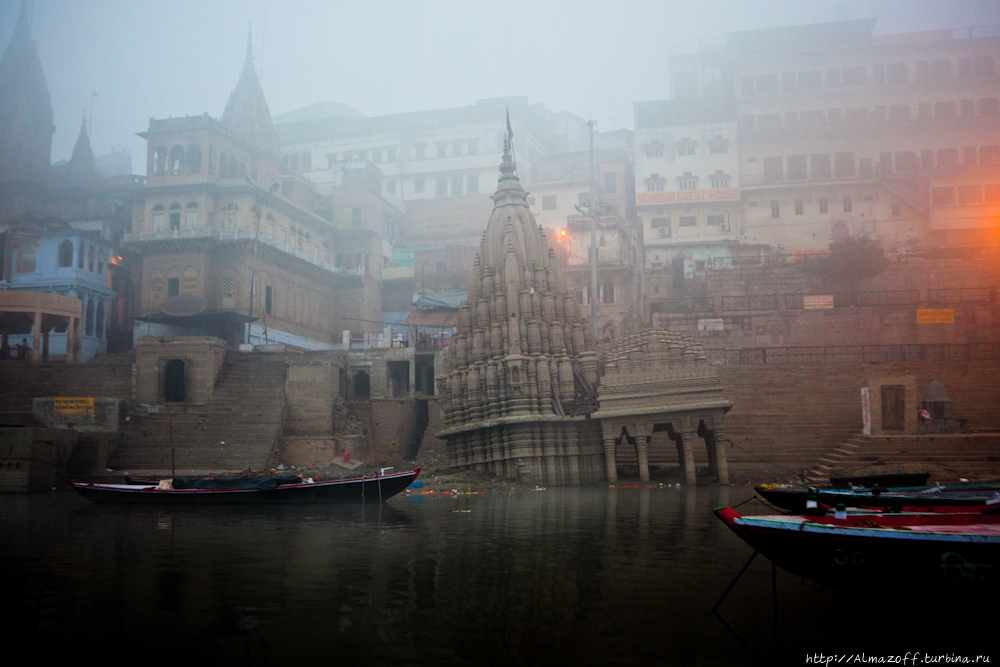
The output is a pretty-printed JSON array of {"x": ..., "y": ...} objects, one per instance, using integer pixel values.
[
  {"x": 876, "y": 558},
  {"x": 364, "y": 490},
  {"x": 795, "y": 499}
]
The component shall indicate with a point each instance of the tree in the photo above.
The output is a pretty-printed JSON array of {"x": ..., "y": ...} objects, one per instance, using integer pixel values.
[{"x": 850, "y": 260}]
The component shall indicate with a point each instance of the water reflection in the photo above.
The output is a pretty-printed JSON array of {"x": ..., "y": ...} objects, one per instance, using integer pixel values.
[{"x": 572, "y": 575}]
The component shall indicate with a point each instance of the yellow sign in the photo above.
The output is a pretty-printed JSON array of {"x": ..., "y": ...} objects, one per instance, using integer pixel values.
[
  {"x": 73, "y": 405},
  {"x": 818, "y": 301},
  {"x": 686, "y": 196},
  {"x": 936, "y": 316}
]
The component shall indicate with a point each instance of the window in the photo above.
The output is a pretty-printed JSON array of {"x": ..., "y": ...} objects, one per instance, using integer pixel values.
[
  {"x": 944, "y": 109},
  {"x": 988, "y": 106},
  {"x": 228, "y": 292},
  {"x": 610, "y": 183},
  {"x": 854, "y": 76},
  {"x": 855, "y": 116},
  {"x": 456, "y": 146},
  {"x": 654, "y": 149},
  {"x": 173, "y": 286},
  {"x": 655, "y": 183},
  {"x": 766, "y": 83},
  {"x": 268, "y": 296},
  {"x": 824, "y": 205},
  {"x": 991, "y": 193},
  {"x": 844, "y": 165},
  {"x": 774, "y": 170},
  {"x": 820, "y": 163},
  {"x": 984, "y": 65},
  {"x": 688, "y": 221},
  {"x": 970, "y": 194},
  {"x": 687, "y": 181},
  {"x": 943, "y": 196},
  {"x": 797, "y": 168},
  {"x": 66, "y": 254},
  {"x": 548, "y": 202},
  {"x": 418, "y": 184},
  {"x": 719, "y": 179},
  {"x": 775, "y": 209},
  {"x": 473, "y": 184},
  {"x": 800, "y": 206},
  {"x": 419, "y": 151},
  {"x": 175, "y": 217},
  {"x": 989, "y": 154},
  {"x": 718, "y": 145},
  {"x": 442, "y": 148},
  {"x": 898, "y": 73},
  {"x": 716, "y": 219},
  {"x": 947, "y": 157},
  {"x": 848, "y": 208},
  {"x": 686, "y": 147},
  {"x": 191, "y": 215}
]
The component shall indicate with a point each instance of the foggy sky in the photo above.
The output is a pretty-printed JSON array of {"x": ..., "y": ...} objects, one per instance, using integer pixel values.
[{"x": 160, "y": 58}]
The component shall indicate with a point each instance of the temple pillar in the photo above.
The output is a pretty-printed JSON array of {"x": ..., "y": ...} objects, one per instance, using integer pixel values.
[
  {"x": 610, "y": 465},
  {"x": 719, "y": 447},
  {"x": 642, "y": 454},
  {"x": 687, "y": 453}
]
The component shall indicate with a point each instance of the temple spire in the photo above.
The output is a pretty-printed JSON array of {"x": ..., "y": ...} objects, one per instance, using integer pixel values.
[
  {"x": 81, "y": 165},
  {"x": 247, "y": 115},
  {"x": 25, "y": 108}
]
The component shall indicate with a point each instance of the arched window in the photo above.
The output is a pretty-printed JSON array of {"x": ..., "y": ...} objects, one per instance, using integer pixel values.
[
  {"x": 159, "y": 160},
  {"x": 100, "y": 319},
  {"x": 66, "y": 254},
  {"x": 90, "y": 258},
  {"x": 223, "y": 167},
  {"x": 157, "y": 219},
  {"x": 194, "y": 158},
  {"x": 191, "y": 215},
  {"x": 100, "y": 262},
  {"x": 176, "y": 159},
  {"x": 89, "y": 324},
  {"x": 175, "y": 217}
]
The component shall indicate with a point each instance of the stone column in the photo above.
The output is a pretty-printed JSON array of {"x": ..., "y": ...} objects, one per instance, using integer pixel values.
[
  {"x": 687, "y": 443},
  {"x": 609, "y": 457},
  {"x": 642, "y": 454},
  {"x": 721, "y": 463},
  {"x": 36, "y": 348}
]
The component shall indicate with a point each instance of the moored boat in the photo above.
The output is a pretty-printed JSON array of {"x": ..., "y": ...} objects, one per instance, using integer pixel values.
[
  {"x": 871, "y": 549},
  {"x": 883, "y": 481},
  {"x": 795, "y": 499},
  {"x": 266, "y": 489}
]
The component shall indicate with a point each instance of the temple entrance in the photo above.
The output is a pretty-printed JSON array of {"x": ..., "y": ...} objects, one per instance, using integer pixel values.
[
  {"x": 893, "y": 406},
  {"x": 174, "y": 381},
  {"x": 361, "y": 386}
]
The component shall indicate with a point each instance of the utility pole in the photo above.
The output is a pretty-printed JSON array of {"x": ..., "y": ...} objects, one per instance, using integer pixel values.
[{"x": 593, "y": 234}]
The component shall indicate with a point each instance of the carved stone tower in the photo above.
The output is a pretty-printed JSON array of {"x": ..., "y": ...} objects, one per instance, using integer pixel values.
[{"x": 522, "y": 371}]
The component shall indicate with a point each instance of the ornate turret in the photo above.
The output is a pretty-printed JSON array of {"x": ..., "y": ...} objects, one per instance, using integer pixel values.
[
  {"x": 81, "y": 167},
  {"x": 25, "y": 108},
  {"x": 247, "y": 116},
  {"x": 522, "y": 373}
]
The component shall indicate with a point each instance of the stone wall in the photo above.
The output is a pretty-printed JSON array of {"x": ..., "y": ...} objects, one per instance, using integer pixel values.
[
  {"x": 202, "y": 355},
  {"x": 311, "y": 390},
  {"x": 760, "y": 306}
]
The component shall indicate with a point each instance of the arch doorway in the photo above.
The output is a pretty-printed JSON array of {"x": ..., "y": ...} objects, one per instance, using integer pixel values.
[{"x": 174, "y": 381}]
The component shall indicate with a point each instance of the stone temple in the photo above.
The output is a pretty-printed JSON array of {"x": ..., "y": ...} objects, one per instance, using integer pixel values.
[{"x": 522, "y": 370}]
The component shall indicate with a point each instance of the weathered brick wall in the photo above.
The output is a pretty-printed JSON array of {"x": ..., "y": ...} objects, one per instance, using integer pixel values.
[
  {"x": 104, "y": 376},
  {"x": 394, "y": 427}
]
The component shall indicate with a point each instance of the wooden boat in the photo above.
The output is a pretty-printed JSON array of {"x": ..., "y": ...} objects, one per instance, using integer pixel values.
[
  {"x": 884, "y": 481},
  {"x": 254, "y": 490},
  {"x": 878, "y": 550},
  {"x": 795, "y": 498}
]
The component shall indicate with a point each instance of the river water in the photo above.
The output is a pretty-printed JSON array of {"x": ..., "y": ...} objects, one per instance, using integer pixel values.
[{"x": 593, "y": 575}]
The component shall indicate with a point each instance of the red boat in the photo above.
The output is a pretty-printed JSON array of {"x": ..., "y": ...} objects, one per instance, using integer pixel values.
[
  {"x": 868, "y": 549},
  {"x": 247, "y": 491}
]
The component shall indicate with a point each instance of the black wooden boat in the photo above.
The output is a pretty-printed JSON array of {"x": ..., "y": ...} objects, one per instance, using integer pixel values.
[
  {"x": 875, "y": 551},
  {"x": 884, "y": 481},
  {"x": 796, "y": 498},
  {"x": 268, "y": 489}
]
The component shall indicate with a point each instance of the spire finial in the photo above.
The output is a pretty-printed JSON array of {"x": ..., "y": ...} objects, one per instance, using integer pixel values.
[{"x": 249, "y": 42}]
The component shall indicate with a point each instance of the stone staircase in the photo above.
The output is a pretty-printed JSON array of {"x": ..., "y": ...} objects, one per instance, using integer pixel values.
[
  {"x": 974, "y": 456},
  {"x": 239, "y": 429}
]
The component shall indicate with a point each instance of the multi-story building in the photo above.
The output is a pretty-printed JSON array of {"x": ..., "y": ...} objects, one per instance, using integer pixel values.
[
  {"x": 441, "y": 163},
  {"x": 832, "y": 131},
  {"x": 229, "y": 244}
]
